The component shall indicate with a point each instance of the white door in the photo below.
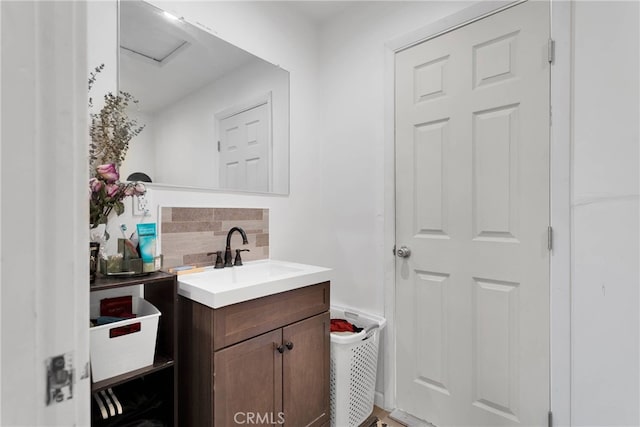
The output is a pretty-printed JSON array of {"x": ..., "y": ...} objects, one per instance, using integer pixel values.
[
  {"x": 472, "y": 177},
  {"x": 244, "y": 149}
]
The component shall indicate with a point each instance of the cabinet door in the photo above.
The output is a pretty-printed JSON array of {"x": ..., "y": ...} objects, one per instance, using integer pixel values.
[
  {"x": 306, "y": 372},
  {"x": 248, "y": 382}
]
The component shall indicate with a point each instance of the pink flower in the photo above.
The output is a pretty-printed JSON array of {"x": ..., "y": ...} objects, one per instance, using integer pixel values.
[
  {"x": 95, "y": 185},
  {"x": 108, "y": 172},
  {"x": 129, "y": 190},
  {"x": 139, "y": 189},
  {"x": 112, "y": 189}
]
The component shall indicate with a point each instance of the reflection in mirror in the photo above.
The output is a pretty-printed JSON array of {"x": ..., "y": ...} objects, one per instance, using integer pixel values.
[{"x": 215, "y": 115}]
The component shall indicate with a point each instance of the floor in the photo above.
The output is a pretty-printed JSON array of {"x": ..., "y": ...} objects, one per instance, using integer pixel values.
[{"x": 383, "y": 416}]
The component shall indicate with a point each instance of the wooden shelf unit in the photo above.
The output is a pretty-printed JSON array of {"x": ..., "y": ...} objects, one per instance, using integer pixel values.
[{"x": 161, "y": 290}]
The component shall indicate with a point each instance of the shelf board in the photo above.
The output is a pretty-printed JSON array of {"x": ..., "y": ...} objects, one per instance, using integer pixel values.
[
  {"x": 106, "y": 282},
  {"x": 160, "y": 363}
]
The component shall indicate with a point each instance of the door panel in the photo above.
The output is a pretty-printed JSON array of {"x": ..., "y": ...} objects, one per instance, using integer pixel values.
[
  {"x": 472, "y": 200},
  {"x": 495, "y": 174},
  {"x": 248, "y": 381},
  {"x": 432, "y": 352},
  {"x": 495, "y": 351},
  {"x": 431, "y": 140},
  {"x": 306, "y": 372}
]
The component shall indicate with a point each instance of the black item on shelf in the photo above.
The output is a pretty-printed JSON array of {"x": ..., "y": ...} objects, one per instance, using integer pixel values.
[
  {"x": 144, "y": 423},
  {"x": 141, "y": 404}
]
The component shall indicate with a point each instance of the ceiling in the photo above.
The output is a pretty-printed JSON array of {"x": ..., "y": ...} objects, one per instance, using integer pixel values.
[{"x": 319, "y": 11}]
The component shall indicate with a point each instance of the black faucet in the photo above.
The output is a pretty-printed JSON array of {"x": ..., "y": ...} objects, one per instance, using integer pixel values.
[
  {"x": 219, "y": 262},
  {"x": 227, "y": 251}
]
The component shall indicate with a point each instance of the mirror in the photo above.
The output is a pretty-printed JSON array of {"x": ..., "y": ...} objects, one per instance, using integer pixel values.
[{"x": 215, "y": 116}]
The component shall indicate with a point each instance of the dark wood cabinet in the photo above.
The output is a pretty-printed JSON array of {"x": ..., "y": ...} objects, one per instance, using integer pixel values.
[
  {"x": 248, "y": 379},
  {"x": 305, "y": 372},
  {"x": 156, "y": 384},
  {"x": 259, "y": 362}
]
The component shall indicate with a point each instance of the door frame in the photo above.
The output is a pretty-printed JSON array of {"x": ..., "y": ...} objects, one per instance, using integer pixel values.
[
  {"x": 560, "y": 195},
  {"x": 46, "y": 293}
]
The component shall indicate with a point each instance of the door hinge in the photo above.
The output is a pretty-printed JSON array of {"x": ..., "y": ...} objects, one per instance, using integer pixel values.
[
  {"x": 550, "y": 238},
  {"x": 218, "y": 146},
  {"x": 550, "y": 419},
  {"x": 551, "y": 51}
]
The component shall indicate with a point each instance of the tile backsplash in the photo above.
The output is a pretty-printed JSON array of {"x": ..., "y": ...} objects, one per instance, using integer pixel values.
[{"x": 188, "y": 234}]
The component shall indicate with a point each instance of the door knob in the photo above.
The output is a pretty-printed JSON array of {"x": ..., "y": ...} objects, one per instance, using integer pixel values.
[{"x": 404, "y": 252}]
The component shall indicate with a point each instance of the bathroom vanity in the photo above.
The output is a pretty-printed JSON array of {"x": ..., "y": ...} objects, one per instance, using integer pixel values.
[{"x": 254, "y": 345}]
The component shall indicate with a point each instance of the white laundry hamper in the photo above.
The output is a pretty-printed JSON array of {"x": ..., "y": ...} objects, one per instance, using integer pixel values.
[{"x": 354, "y": 365}]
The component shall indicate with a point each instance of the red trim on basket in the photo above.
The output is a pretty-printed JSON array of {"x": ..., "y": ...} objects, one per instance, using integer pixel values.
[{"x": 124, "y": 330}]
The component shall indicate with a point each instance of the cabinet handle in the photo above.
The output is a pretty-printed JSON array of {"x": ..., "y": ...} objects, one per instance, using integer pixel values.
[
  {"x": 289, "y": 345},
  {"x": 280, "y": 348}
]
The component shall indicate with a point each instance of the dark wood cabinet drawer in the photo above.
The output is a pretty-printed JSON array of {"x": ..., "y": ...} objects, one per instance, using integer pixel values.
[{"x": 238, "y": 322}]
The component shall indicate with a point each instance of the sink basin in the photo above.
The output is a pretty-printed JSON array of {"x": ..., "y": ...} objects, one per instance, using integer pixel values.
[{"x": 217, "y": 288}]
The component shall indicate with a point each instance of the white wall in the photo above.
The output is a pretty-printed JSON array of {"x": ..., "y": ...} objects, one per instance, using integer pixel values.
[
  {"x": 605, "y": 247},
  {"x": 102, "y": 30}
]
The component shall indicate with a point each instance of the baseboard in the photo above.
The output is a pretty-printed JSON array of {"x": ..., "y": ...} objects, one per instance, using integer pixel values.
[
  {"x": 378, "y": 400},
  {"x": 408, "y": 420}
]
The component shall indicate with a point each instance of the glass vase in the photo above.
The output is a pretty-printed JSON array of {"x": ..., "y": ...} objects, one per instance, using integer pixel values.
[{"x": 94, "y": 251}]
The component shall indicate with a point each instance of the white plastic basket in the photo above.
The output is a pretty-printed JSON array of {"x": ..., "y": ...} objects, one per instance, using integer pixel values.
[
  {"x": 354, "y": 365},
  {"x": 124, "y": 353}
]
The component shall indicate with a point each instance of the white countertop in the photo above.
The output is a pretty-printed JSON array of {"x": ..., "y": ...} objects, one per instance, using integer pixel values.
[{"x": 217, "y": 288}]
